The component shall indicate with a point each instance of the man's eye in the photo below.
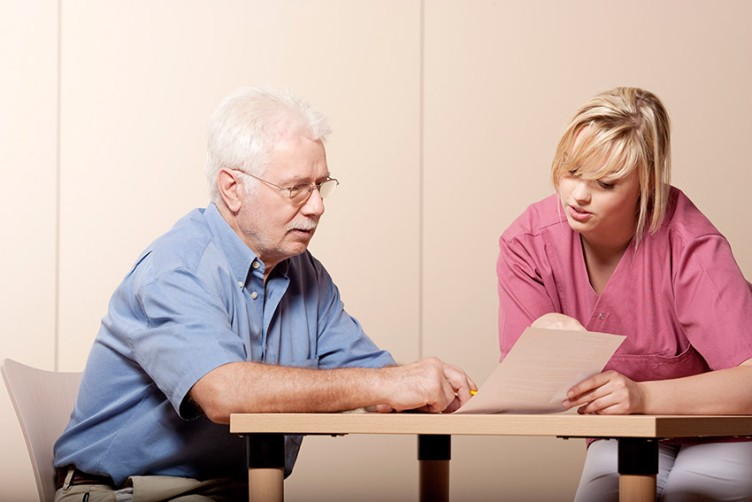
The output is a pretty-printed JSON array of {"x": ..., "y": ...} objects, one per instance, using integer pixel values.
[{"x": 299, "y": 188}]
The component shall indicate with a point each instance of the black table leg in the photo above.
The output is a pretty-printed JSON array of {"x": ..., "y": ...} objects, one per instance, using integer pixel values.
[
  {"x": 638, "y": 467},
  {"x": 266, "y": 467},
  {"x": 434, "y": 454}
]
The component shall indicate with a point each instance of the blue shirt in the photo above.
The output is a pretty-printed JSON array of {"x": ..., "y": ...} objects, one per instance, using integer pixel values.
[{"x": 195, "y": 300}]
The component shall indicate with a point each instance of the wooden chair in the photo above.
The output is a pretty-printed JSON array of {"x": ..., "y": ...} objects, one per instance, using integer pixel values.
[{"x": 43, "y": 401}]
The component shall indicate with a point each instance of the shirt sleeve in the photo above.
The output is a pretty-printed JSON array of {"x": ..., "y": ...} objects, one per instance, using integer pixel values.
[
  {"x": 713, "y": 301},
  {"x": 522, "y": 293},
  {"x": 186, "y": 335},
  {"x": 341, "y": 339}
]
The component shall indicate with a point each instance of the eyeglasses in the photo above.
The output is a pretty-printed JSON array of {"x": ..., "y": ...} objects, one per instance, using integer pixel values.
[{"x": 299, "y": 194}]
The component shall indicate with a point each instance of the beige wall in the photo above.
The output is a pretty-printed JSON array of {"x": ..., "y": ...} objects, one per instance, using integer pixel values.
[{"x": 445, "y": 116}]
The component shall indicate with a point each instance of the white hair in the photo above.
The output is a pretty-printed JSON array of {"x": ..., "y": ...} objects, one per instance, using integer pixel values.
[{"x": 249, "y": 122}]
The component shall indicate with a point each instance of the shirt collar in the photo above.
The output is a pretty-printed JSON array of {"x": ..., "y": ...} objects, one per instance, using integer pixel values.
[{"x": 238, "y": 254}]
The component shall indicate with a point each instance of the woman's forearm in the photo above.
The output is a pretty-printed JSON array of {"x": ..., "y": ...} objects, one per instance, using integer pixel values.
[{"x": 722, "y": 392}]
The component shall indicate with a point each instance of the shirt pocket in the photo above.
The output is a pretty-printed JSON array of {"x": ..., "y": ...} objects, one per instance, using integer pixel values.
[{"x": 643, "y": 367}]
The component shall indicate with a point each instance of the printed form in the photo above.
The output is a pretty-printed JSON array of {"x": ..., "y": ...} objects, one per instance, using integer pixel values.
[{"x": 540, "y": 369}]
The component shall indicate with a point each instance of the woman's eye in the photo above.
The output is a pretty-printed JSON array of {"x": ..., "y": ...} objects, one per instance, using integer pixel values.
[{"x": 605, "y": 185}]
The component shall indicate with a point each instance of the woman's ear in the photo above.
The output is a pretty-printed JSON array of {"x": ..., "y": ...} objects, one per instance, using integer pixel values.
[{"x": 230, "y": 189}]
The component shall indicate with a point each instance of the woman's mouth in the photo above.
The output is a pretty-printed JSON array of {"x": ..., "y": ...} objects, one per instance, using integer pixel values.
[{"x": 579, "y": 214}]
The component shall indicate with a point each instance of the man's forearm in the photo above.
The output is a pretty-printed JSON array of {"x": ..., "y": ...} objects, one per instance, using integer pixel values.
[
  {"x": 260, "y": 388},
  {"x": 427, "y": 385}
]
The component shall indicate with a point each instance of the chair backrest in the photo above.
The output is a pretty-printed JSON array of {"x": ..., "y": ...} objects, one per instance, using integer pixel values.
[{"x": 43, "y": 401}]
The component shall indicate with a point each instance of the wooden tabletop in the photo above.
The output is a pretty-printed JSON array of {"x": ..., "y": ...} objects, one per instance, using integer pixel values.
[{"x": 562, "y": 425}]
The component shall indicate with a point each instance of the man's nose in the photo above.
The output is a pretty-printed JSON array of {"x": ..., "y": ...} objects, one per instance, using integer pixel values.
[{"x": 314, "y": 206}]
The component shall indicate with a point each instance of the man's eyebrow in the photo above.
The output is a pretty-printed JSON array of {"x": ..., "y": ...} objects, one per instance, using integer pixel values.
[{"x": 301, "y": 180}]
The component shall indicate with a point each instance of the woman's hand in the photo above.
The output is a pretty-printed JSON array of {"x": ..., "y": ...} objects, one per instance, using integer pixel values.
[
  {"x": 607, "y": 393},
  {"x": 554, "y": 320}
]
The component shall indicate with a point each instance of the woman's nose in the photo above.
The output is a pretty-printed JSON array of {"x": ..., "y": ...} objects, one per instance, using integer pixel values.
[{"x": 581, "y": 192}]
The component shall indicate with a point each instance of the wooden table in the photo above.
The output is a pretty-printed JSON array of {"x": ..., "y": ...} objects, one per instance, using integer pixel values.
[{"x": 637, "y": 436}]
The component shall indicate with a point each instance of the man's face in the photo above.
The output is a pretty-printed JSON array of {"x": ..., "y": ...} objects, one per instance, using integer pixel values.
[{"x": 270, "y": 223}]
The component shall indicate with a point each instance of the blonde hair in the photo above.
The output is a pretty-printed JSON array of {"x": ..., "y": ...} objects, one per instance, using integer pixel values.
[{"x": 627, "y": 129}]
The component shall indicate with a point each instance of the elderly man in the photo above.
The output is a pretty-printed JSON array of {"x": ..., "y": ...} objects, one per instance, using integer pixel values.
[{"x": 228, "y": 312}]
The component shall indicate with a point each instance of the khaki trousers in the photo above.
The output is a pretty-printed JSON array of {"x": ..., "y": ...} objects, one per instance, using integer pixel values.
[{"x": 157, "y": 489}]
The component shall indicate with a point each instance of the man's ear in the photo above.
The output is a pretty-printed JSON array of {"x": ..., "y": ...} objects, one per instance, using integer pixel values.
[{"x": 230, "y": 189}]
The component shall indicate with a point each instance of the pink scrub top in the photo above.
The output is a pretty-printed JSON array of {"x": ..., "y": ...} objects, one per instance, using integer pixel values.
[{"x": 680, "y": 297}]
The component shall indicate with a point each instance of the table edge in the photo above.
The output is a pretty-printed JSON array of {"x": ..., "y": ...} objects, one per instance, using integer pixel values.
[{"x": 563, "y": 425}]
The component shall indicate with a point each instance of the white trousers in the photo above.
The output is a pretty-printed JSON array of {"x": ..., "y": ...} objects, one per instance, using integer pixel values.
[{"x": 686, "y": 473}]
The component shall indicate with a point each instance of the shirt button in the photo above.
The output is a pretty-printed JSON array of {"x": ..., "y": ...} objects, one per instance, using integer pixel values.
[
  {"x": 602, "y": 316},
  {"x": 254, "y": 295},
  {"x": 255, "y": 264},
  {"x": 240, "y": 284}
]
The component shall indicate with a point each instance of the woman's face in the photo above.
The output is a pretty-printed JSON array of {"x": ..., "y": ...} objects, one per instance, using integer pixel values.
[{"x": 603, "y": 211}]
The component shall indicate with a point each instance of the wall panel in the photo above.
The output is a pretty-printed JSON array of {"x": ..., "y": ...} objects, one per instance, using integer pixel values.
[
  {"x": 28, "y": 179},
  {"x": 134, "y": 111}
]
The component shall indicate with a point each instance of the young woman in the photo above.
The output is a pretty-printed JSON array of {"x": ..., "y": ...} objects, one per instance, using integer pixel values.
[{"x": 619, "y": 250}]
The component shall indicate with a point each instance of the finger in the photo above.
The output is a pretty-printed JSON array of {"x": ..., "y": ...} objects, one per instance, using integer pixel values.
[
  {"x": 592, "y": 409},
  {"x": 461, "y": 383},
  {"x": 616, "y": 409},
  {"x": 588, "y": 397},
  {"x": 448, "y": 395},
  {"x": 554, "y": 320},
  {"x": 464, "y": 393},
  {"x": 587, "y": 385},
  {"x": 582, "y": 399},
  {"x": 607, "y": 404},
  {"x": 581, "y": 388},
  {"x": 453, "y": 406},
  {"x": 445, "y": 397}
]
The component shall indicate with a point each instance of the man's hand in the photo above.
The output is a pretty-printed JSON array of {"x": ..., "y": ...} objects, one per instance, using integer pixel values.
[{"x": 429, "y": 385}]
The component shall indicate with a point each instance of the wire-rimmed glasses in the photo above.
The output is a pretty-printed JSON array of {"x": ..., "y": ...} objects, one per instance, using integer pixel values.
[{"x": 300, "y": 193}]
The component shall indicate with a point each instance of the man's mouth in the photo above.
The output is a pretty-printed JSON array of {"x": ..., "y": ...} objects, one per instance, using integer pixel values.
[{"x": 304, "y": 229}]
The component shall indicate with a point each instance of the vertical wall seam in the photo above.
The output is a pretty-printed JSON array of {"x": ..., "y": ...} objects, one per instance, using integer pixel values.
[
  {"x": 421, "y": 200},
  {"x": 56, "y": 286}
]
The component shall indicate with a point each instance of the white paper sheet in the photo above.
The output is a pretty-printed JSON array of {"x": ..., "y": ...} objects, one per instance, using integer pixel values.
[{"x": 539, "y": 370}]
